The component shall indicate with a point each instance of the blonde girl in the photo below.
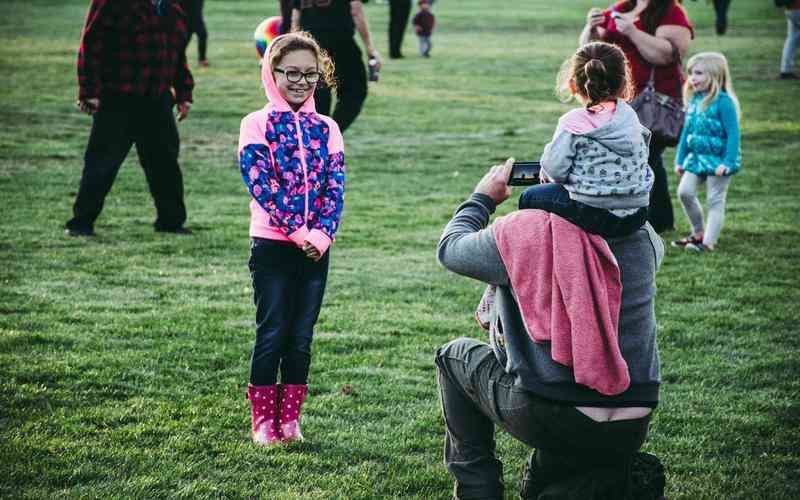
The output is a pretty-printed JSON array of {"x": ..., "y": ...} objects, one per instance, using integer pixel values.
[
  {"x": 708, "y": 151},
  {"x": 292, "y": 161}
]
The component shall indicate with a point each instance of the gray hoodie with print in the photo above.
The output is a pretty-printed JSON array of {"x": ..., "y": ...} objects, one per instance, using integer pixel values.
[{"x": 605, "y": 167}]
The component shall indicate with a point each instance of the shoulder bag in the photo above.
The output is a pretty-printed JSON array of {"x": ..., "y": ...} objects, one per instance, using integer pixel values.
[{"x": 661, "y": 113}]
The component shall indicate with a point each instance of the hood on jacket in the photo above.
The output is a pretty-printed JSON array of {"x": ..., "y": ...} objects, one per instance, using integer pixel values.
[
  {"x": 271, "y": 88},
  {"x": 623, "y": 132}
]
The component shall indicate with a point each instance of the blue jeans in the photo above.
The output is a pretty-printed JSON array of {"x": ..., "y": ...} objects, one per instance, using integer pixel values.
[
  {"x": 287, "y": 290},
  {"x": 554, "y": 198}
]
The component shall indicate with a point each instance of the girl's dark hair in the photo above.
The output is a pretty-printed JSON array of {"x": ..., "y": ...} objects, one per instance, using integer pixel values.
[
  {"x": 653, "y": 14},
  {"x": 599, "y": 72}
]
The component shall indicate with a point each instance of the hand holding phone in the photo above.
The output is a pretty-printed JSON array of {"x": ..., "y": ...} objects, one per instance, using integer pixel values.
[{"x": 524, "y": 173}]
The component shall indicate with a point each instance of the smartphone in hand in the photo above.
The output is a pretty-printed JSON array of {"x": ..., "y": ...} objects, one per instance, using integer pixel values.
[{"x": 525, "y": 173}]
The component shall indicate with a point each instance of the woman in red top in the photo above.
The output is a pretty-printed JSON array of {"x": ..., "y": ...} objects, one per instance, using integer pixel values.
[{"x": 647, "y": 31}]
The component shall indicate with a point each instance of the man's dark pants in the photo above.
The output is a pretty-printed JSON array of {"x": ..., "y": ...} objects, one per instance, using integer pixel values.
[
  {"x": 121, "y": 121},
  {"x": 477, "y": 394},
  {"x": 399, "y": 12},
  {"x": 351, "y": 80},
  {"x": 198, "y": 25}
]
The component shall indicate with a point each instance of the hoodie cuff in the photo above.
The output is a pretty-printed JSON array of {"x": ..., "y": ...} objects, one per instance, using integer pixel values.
[
  {"x": 484, "y": 200},
  {"x": 299, "y": 236},
  {"x": 319, "y": 239}
]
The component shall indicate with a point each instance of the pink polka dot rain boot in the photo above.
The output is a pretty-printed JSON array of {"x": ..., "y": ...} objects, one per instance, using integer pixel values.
[
  {"x": 264, "y": 402},
  {"x": 292, "y": 398}
]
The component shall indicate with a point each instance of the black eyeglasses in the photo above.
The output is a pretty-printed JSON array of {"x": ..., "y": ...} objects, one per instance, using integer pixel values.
[{"x": 295, "y": 76}]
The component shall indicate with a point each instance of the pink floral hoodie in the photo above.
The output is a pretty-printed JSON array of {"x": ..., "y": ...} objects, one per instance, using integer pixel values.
[{"x": 293, "y": 166}]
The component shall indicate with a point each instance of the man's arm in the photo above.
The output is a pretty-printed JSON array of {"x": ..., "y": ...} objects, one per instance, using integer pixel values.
[
  {"x": 295, "y": 19},
  {"x": 468, "y": 247},
  {"x": 360, "y": 20},
  {"x": 183, "y": 83},
  {"x": 90, "y": 53}
]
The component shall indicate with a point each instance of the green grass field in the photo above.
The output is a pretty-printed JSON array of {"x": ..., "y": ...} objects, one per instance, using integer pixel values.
[{"x": 124, "y": 358}]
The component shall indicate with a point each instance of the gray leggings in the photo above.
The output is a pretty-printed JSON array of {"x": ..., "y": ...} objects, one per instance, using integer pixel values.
[{"x": 717, "y": 189}]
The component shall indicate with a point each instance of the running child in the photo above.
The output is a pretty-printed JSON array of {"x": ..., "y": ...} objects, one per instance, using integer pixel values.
[
  {"x": 708, "y": 151},
  {"x": 292, "y": 161}
]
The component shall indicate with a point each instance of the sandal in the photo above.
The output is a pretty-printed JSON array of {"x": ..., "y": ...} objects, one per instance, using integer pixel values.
[{"x": 689, "y": 240}]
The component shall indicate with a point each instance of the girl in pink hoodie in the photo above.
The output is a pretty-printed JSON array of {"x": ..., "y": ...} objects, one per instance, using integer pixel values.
[{"x": 292, "y": 161}]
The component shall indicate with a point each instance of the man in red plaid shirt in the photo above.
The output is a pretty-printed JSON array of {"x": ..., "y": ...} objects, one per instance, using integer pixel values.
[{"x": 131, "y": 70}]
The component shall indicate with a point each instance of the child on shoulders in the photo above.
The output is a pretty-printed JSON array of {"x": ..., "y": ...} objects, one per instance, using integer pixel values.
[{"x": 594, "y": 171}]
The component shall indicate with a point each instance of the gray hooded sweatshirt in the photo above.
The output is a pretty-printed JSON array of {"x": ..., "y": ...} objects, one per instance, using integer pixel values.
[
  {"x": 468, "y": 247},
  {"x": 605, "y": 167}
]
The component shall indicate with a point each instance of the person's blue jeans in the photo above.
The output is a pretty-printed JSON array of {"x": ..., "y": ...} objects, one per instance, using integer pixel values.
[
  {"x": 288, "y": 288},
  {"x": 554, "y": 198}
]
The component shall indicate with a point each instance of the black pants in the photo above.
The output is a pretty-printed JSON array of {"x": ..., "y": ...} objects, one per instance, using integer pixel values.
[
  {"x": 351, "y": 80},
  {"x": 660, "y": 212},
  {"x": 721, "y": 10},
  {"x": 198, "y": 25},
  {"x": 399, "y": 12},
  {"x": 477, "y": 394},
  {"x": 122, "y": 121},
  {"x": 554, "y": 198},
  {"x": 287, "y": 290},
  {"x": 285, "y": 7}
]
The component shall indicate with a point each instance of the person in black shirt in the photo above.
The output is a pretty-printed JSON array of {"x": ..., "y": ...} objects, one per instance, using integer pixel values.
[{"x": 333, "y": 24}]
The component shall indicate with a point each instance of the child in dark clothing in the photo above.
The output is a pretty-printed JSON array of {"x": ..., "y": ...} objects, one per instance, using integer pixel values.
[{"x": 423, "y": 26}]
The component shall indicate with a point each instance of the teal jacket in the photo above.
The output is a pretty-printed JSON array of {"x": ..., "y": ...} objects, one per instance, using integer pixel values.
[{"x": 710, "y": 137}]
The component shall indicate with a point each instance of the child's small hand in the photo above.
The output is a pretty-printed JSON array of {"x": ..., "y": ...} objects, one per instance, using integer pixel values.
[
  {"x": 721, "y": 170},
  {"x": 311, "y": 251},
  {"x": 543, "y": 178},
  {"x": 679, "y": 170}
]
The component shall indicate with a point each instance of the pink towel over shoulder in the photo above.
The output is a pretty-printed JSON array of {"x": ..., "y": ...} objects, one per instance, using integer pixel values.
[{"x": 567, "y": 284}]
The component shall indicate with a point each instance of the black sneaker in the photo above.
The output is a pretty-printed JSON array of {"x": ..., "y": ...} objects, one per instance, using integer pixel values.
[
  {"x": 789, "y": 76},
  {"x": 698, "y": 248},
  {"x": 647, "y": 477},
  {"x": 185, "y": 231},
  {"x": 77, "y": 232}
]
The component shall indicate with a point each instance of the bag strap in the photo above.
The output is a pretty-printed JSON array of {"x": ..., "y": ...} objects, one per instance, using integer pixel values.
[{"x": 675, "y": 59}]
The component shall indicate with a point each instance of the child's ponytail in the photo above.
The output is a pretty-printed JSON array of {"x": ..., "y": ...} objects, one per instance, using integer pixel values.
[
  {"x": 596, "y": 84},
  {"x": 597, "y": 72}
]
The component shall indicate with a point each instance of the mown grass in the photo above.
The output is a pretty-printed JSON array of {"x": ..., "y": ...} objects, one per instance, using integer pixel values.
[{"x": 124, "y": 358}]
